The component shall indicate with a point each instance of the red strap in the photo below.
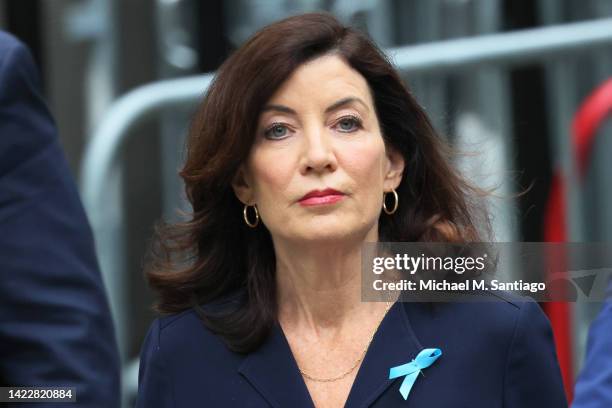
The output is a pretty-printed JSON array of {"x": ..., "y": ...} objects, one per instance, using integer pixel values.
[
  {"x": 559, "y": 312},
  {"x": 587, "y": 120}
]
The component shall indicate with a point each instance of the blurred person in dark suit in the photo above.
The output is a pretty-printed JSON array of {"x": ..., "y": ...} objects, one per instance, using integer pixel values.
[
  {"x": 594, "y": 384},
  {"x": 55, "y": 325}
]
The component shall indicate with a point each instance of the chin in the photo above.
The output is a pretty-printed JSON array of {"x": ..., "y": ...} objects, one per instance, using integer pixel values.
[{"x": 334, "y": 233}]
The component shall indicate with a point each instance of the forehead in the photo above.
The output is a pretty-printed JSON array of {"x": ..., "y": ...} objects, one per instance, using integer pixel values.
[{"x": 322, "y": 79}]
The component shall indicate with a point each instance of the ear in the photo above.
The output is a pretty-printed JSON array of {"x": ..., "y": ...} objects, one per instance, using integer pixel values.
[
  {"x": 242, "y": 185},
  {"x": 394, "y": 170}
]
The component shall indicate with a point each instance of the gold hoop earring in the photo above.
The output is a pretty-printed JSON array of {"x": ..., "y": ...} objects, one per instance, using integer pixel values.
[
  {"x": 246, "y": 217},
  {"x": 395, "y": 204}
]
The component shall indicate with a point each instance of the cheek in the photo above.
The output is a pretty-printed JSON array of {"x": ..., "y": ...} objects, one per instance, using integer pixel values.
[
  {"x": 365, "y": 162},
  {"x": 272, "y": 173}
]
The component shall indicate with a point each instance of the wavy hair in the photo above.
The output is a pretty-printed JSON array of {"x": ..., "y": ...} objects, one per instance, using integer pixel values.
[{"x": 213, "y": 254}]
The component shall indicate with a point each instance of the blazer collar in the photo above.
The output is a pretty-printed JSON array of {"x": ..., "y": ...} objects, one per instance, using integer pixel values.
[{"x": 273, "y": 371}]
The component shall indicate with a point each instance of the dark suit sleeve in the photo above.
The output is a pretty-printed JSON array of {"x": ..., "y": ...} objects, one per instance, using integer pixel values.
[
  {"x": 55, "y": 325},
  {"x": 154, "y": 389},
  {"x": 594, "y": 385},
  {"x": 533, "y": 378}
]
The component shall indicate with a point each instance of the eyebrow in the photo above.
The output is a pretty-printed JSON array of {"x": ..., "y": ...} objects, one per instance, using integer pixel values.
[{"x": 338, "y": 104}]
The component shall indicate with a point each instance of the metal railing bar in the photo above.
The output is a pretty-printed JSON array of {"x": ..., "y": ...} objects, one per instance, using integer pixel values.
[{"x": 510, "y": 48}]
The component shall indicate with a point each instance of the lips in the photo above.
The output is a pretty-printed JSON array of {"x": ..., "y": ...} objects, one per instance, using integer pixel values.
[{"x": 316, "y": 197}]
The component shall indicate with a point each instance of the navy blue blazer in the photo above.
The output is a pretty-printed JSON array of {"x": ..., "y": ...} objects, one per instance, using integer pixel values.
[
  {"x": 494, "y": 354},
  {"x": 594, "y": 384},
  {"x": 55, "y": 324}
]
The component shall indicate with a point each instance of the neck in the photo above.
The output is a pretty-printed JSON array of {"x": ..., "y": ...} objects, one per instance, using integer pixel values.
[{"x": 319, "y": 285}]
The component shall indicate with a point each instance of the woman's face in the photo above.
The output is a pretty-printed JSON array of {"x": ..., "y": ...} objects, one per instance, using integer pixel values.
[{"x": 319, "y": 131}]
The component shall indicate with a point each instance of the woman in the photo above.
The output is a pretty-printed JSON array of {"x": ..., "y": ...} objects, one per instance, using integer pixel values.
[{"x": 307, "y": 145}]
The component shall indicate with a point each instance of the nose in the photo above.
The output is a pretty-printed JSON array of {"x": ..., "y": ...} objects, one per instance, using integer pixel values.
[{"x": 318, "y": 151}]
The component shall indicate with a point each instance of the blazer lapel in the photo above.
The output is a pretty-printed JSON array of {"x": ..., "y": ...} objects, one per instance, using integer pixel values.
[
  {"x": 394, "y": 344},
  {"x": 273, "y": 371}
]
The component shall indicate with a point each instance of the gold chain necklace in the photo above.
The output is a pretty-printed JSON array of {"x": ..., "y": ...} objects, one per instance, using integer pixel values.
[{"x": 350, "y": 370}]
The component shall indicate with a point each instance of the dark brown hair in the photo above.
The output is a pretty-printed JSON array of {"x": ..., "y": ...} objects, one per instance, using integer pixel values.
[{"x": 214, "y": 253}]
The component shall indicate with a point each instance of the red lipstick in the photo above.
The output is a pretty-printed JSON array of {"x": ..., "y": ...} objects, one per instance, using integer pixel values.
[{"x": 320, "y": 197}]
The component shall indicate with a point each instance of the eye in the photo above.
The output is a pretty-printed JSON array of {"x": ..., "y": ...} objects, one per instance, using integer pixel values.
[
  {"x": 349, "y": 124},
  {"x": 276, "y": 131}
]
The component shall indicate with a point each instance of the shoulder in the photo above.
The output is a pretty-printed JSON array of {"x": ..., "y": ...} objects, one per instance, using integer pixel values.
[
  {"x": 190, "y": 321},
  {"x": 514, "y": 314},
  {"x": 181, "y": 334},
  {"x": 514, "y": 318},
  {"x": 180, "y": 353},
  {"x": 8, "y": 42},
  {"x": 494, "y": 313},
  {"x": 505, "y": 341},
  {"x": 493, "y": 329},
  {"x": 20, "y": 79},
  {"x": 13, "y": 53},
  {"x": 184, "y": 336},
  {"x": 514, "y": 332}
]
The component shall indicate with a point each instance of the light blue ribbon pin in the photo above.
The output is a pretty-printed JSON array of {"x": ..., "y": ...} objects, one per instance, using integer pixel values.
[{"x": 411, "y": 370}]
